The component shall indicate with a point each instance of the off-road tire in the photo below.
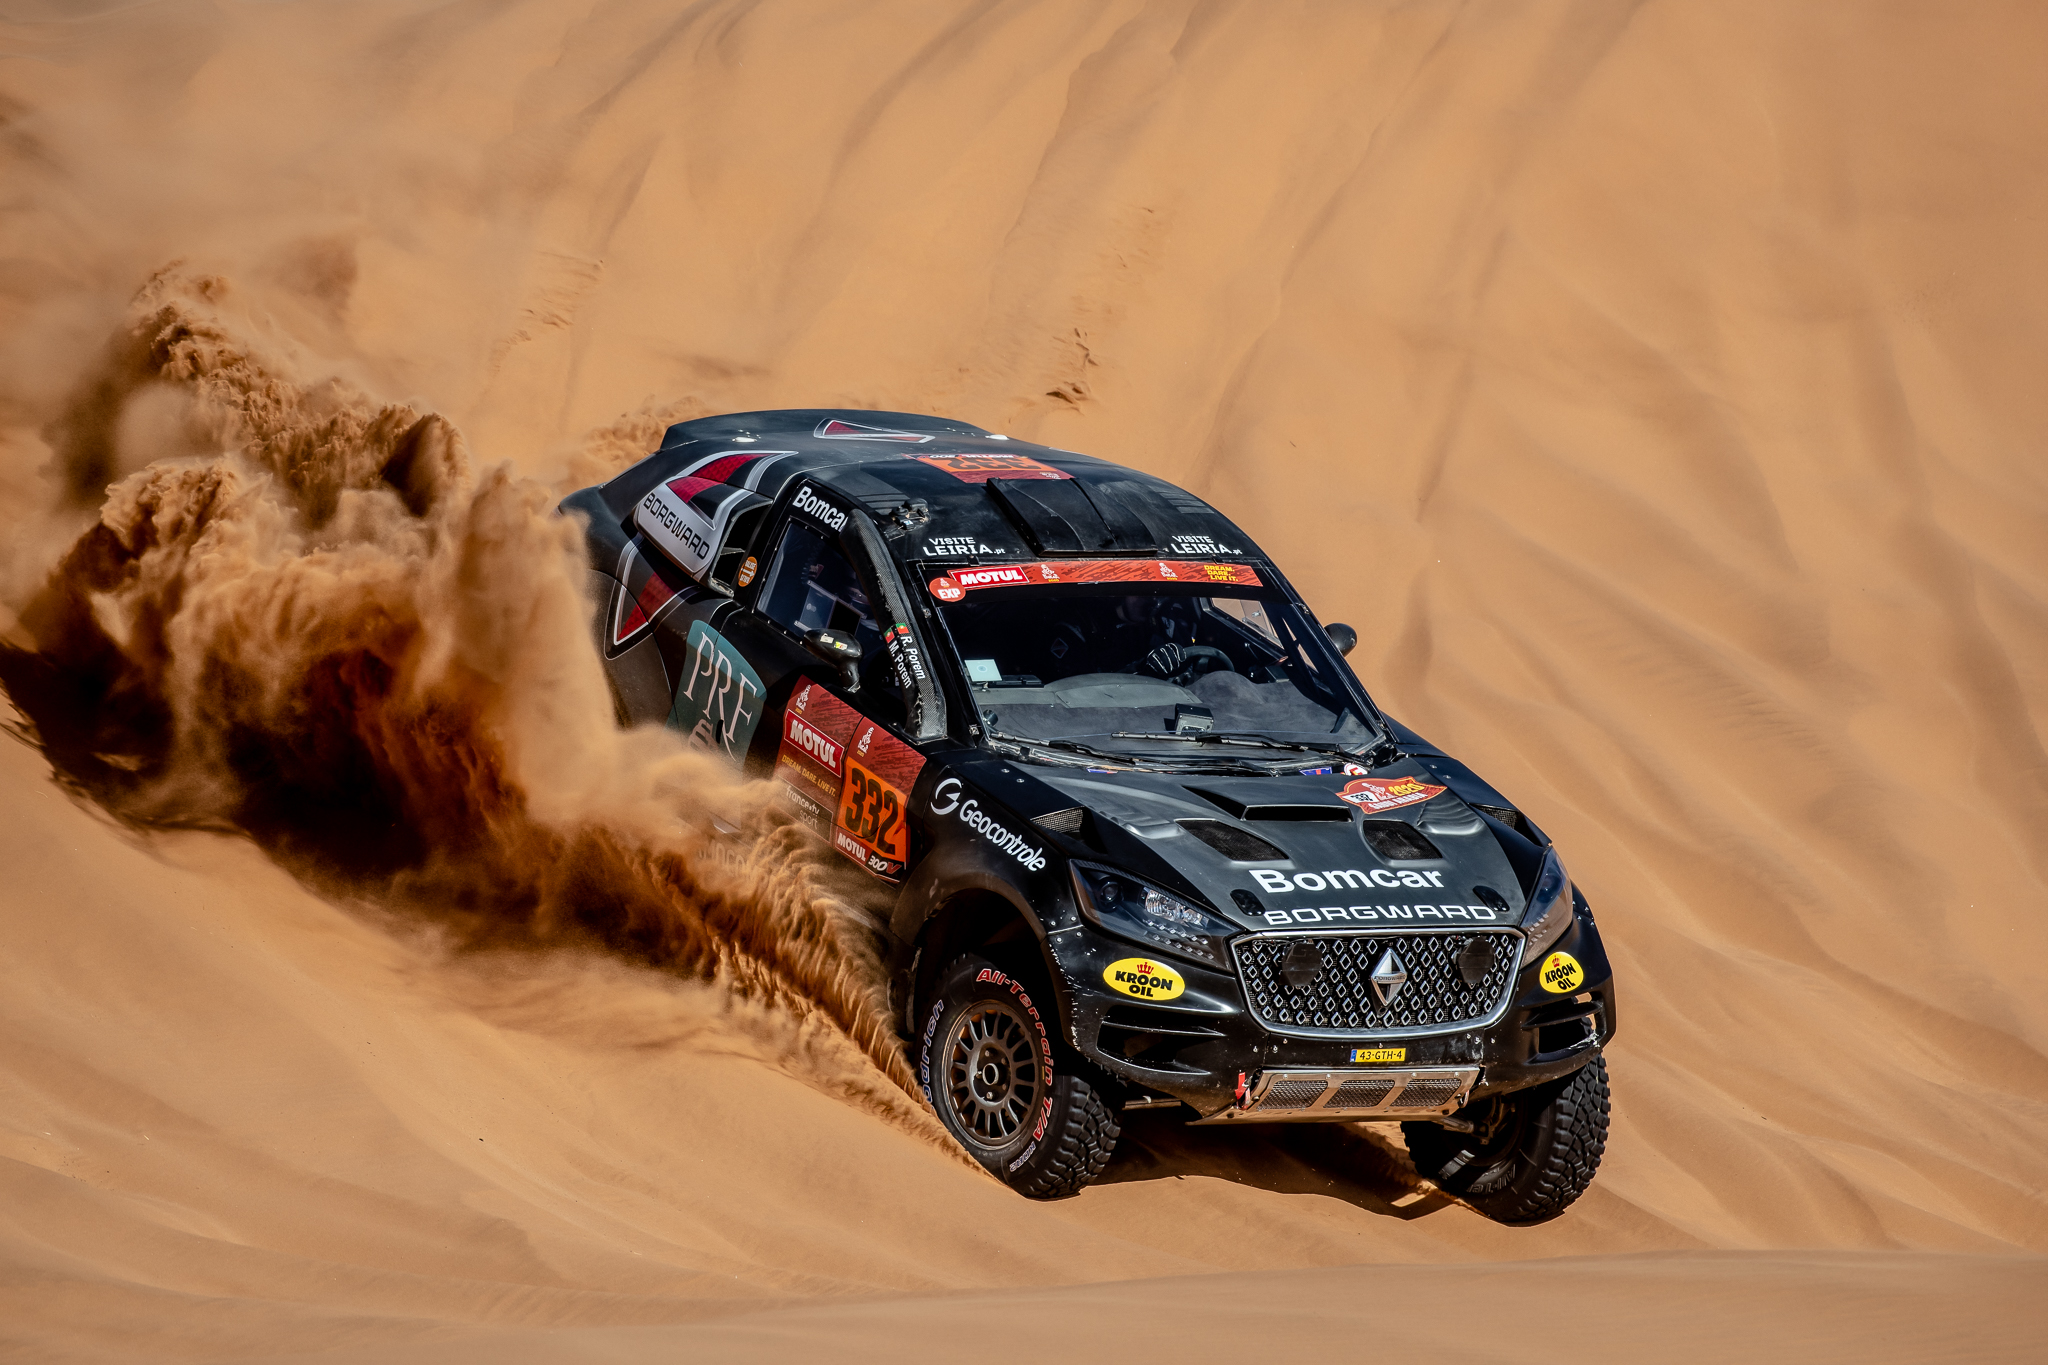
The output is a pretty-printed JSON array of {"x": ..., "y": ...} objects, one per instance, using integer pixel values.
[
  {"x": 1045, "y": 1136},
  {"x": 1532, "y": 1152}
]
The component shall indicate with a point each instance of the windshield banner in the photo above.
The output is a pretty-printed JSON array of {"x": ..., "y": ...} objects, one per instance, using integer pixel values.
[{"x": 957, "y": 584}]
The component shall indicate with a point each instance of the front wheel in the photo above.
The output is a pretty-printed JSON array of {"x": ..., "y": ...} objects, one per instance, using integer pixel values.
[
  {"x": 990, "y": 1065},
  {"x": 1530, "y": 1153}
]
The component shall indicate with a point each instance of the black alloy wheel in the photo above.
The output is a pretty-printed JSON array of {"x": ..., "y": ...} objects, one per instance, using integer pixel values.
[
  {"x": 993, "y": 1067},
  {"x": 993, "y": 1073}
]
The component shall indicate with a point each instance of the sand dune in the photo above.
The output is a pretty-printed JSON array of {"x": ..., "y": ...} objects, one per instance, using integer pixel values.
[{"x": 1651, "y": 384}]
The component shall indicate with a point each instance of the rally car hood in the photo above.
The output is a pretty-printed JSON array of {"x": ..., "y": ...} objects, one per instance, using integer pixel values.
[{"x": 1220, "y": 833}]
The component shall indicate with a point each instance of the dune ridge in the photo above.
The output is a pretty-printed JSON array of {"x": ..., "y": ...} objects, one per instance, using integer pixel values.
[{"x": 1651, "y": 384}]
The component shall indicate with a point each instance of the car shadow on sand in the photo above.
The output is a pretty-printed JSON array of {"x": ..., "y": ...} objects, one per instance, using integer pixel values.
[{"x": 1363, "y": 1164}]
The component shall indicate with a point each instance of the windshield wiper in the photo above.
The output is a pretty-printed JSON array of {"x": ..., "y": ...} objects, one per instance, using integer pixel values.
[
  {"x": 1249, "y": 741},
  {"x": 1122, "y": 760}
]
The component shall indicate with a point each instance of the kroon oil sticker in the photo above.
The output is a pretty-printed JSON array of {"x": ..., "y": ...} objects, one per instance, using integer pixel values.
[
  {"x": 1144, "y": 978},
  {"x": 1562, "y": 974}
]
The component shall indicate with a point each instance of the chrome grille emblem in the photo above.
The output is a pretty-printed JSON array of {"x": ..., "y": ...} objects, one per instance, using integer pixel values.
[{"x": 1389, "y": 975}]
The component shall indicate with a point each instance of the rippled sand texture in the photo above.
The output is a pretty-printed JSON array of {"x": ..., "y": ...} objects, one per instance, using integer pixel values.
[{"x": 1653, "y": 386}]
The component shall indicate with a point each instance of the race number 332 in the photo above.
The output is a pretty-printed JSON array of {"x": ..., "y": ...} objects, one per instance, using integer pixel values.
[{"x": 873, "y": 812}]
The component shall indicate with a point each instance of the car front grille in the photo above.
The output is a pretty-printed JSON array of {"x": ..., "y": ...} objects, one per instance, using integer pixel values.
[{"x": 1454, "y": 978}]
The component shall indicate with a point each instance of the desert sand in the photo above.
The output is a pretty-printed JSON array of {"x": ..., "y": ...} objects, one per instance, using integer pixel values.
[{"x": 1653, "y": 385}]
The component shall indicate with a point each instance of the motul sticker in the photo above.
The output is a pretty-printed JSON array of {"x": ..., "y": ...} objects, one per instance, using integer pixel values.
[
  {"x": 719, "y": 704},
  {"x": 1143, "y": 978},
  {"x": 1377, "y": 794},
  {"x": 849, "y": 779},
  {"x": 1100, "y": 571},
  {"x": 1562, "y": 974},
  {"x": 1002, "y": 575},
  {"x": 982, "y": 468}
]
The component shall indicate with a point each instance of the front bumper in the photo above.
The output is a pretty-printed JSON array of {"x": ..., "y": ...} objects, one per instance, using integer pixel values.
[{"x": 1206, "y": 1050}]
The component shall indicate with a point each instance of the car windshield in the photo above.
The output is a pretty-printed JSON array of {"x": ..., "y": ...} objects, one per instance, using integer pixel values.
[{"x": 1169, "y": 672}]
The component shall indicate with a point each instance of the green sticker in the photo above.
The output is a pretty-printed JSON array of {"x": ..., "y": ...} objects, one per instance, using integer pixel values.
[{"x": 719, "y": 703}]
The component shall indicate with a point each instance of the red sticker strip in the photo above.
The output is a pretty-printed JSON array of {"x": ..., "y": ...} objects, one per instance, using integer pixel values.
[{"x": 957, "y": 584}]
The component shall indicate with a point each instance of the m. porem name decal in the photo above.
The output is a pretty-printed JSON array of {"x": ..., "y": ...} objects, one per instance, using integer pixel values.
[
  {"x": 1277, "y": 883},
  {"x": 946, "y": 801}
]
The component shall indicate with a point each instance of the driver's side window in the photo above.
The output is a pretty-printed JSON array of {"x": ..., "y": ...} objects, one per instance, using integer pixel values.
[{"x": 812, "y": 585}]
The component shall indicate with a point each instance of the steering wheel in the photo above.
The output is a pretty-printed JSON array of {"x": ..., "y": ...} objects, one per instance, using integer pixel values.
[{"x": 1182, "y": 664}]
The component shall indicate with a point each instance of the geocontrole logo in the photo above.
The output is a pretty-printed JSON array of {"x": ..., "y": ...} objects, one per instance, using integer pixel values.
[
  {"x": 946, "y": 801},
  {"x": 811, "y": 505}
]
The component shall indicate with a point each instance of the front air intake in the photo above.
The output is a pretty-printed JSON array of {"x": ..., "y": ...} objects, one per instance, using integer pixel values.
[
  {"x": 1397, "y": 841},
  {"x": 1238, "y": 845}
]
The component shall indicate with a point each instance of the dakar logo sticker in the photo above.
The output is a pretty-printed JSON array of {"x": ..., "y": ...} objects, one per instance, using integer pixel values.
[
  {"x": 1376, "y": 794},
  {"x": 1562, "y": 974},
  {"x": 1143, "y": 978},
  {"x": 945, "y": 589}
]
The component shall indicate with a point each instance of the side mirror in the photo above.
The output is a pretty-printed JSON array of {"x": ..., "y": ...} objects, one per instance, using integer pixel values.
[
  {"x": 1342, "y": 636},
  {"x": 837, "y": 647}
]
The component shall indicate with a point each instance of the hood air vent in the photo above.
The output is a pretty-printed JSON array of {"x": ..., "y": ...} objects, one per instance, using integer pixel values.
[
  {"x": 1397, "y": 842},
  {"x": 1238, "y": 845},
  {"x": 1252, "y": 805}
]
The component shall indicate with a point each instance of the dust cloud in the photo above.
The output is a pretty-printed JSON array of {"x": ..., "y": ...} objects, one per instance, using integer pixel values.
[{"x": 316, "y": 619}]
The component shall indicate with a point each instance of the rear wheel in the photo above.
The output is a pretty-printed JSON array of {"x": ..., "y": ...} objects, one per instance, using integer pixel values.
[
  {"x": 1530, "y": 1153},
  {"x": 991, "y": 1065}
]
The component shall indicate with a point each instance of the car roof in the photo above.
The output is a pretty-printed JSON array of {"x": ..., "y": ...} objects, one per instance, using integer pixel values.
[{"x": 945, "y": 489}]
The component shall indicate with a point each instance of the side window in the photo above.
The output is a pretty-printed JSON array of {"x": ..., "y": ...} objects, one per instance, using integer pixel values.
[{"x": 812, "y": 586}]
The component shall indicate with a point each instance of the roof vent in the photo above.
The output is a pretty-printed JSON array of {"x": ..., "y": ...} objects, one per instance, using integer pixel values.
[{"x": 1065, "y": 516}]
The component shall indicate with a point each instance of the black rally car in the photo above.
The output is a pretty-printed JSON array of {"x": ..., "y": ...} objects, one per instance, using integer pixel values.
[{"x": 1147, "y": 840}]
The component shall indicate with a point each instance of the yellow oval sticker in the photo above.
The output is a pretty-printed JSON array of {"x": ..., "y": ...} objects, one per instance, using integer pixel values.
[
  {"x": 1144, "y": 978},
  {"x": 1562, "y": 974}
]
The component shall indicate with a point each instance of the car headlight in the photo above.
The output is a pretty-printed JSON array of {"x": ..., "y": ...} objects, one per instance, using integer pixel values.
[
  {"x": 1130, "y": 909},
  {"x": 1550, "y": 906}
]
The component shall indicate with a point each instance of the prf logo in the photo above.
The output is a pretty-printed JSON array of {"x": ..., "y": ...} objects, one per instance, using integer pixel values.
[{"x": 811, "y": 505}]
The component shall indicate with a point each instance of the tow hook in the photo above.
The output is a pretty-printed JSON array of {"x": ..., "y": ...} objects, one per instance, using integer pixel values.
[{"x": 1244, "y": 1090}]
